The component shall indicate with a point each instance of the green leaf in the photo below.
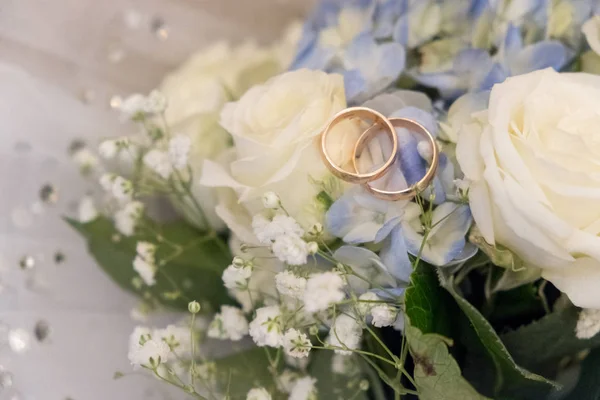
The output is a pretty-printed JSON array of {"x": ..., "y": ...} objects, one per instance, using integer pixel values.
[
  {"x": 242, "y": 371},
  {"x": 510, "y": 379},
  {"x": 437, "y": 375},
  {"x": 426, "y": 304},
  {"x": 548, "y": 339},
  {"x": 430, "y": 310},
  {"x": 193, "y": 271},
  {"x": 588, "y": 386}
]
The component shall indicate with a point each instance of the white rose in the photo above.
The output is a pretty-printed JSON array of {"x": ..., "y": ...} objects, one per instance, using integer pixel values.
[
  {"x": 532, "y": 159},
  {"x": 275, "y": 129},
  {"x": 196, "y": 93}
]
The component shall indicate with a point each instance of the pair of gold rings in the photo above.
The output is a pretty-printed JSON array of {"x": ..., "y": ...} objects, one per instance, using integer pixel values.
[{"x": 388, "y": 126}]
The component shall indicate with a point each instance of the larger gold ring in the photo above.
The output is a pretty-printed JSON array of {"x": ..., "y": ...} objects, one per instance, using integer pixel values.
[
  {"x": 378, "y": 120},
  {"x": 413, "y": 190}
]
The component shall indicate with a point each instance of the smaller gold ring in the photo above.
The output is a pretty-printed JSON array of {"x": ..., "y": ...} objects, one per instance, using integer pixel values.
[
  {"x": 413, "y": 190},
  {"x": 378, "y": 120}
]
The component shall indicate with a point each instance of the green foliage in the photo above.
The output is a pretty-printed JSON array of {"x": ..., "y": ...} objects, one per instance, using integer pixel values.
[
  {"x": 429, "y": 313},
  {"x": 243, "y": 370},
  {"x": 548, "y": 340},
  {"x": 437, "y": 373},
  {"x": 588, "y": 386},
  {"x": 193, "y": 263},
  {"x": 510, "y": 380}
]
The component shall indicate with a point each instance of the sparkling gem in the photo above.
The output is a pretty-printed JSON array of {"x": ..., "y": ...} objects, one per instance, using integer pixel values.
[
  {"x": 18, "y": 340},
  {"x": 49, "y": 194},
  {"x": 6, "y": 379},
  {"x": 41, "y": 330},
  {"x": 27, "y": 262},
  {"x": 159, "y": 29},
  {"x": 115, "y": 102}
]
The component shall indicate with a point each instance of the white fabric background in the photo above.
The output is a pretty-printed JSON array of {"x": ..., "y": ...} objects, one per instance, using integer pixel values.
[{"x": 50, "y": 52}]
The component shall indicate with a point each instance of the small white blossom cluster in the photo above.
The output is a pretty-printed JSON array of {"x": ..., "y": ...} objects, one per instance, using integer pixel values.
[
  {"x": 151, "y": 347},
  {"x": 236, "y": 275},
  {"x": 382, "y": 314},
  {"x": 120, "y": 188},
  {"x": 138, "y": 104},
  {"x": 322, "y": 291},
  {"x": 267, "y": 327},
  {"x": 588, "y": 324},
  {"x": 144, "y": 263},
  {"x": 163, "y": 163},
  {"x": 127, "y": 217},
  {"x": 87, "y": 210},
  {"x": 289, "y": 284},
  {"x": 345, "y": 334},
  {"x": 108, "y": 149},
  {"x": 258, "y": 394},
  {"x": 228, "y": 324},
  {"x": 284, "y": 235}
]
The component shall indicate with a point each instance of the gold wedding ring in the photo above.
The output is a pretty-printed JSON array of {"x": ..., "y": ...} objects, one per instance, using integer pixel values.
[
  {"x": 414, "y": 189},
  {"x": 378, "y": 121}
]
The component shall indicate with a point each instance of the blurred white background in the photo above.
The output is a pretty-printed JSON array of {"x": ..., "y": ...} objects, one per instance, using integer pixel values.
[{"x": 64, "y": 325}]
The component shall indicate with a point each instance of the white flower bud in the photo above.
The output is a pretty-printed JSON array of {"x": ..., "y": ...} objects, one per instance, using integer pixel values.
[
  {"x": 271, "y": 200},
  {"x": 313, "y": 247},
  {"x": 238, "y": 262},
  {"x": 194, "y": 307}
]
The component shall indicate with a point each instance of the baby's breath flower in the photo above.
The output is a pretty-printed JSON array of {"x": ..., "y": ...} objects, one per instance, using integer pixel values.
[
  {"x": 588, "y": 324},
  {"x": 230, "y": 324},
  {"x": 366, "y": 302},
  {"x": 290, "y": 249},
  {"x": 383, "y": 315},
  {"x": 316, "y": 230},
  {"x": 133, "y": 105},
  {"x": 236, "y": 277},
  {"x": 155, "y": 103},
  {"x": 144, "y": 350},
  {"x": 271, "y": 200},
  {"x": 85, "y": 159},
  {"x": 288, "y": 284},
  {"x": 266, "y": 329},
  {"x": 346, "y": 333},
  {"x": 122, "y": 189},
  {"x": 304, "y": 389},
  {"x": 108, "y": 149},
  {"x": 323, "y": 290},
  {"x": 176, "y": 337},
  {"x": 179, "y": 150},
  {"x": 296, "y": 344},
  {"x": 127, "y": 217},
  {"x": 87, "y": 210},
  {"x": 106, "y": 181},
  {"x": 159, "y": 162},
  {"x": 259, "y": 393},
  {"x": 146, "y": 270}
]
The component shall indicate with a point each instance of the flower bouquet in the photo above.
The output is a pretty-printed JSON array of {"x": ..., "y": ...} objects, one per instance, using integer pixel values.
[{"x": 400, "y": 199}]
